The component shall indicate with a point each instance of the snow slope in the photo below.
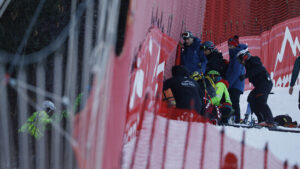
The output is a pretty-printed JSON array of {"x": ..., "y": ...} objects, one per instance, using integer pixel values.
[{"x": 285, "y": 146}]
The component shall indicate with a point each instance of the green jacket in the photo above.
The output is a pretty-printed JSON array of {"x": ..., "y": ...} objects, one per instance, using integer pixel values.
[
  {"x": 36, "y": 124},
  {"x": 222, "y": 94},
  {"x": 295, "y": 71}
]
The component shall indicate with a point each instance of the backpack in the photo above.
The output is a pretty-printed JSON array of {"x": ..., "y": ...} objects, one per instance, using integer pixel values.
[{"x": 285, "y": 120}]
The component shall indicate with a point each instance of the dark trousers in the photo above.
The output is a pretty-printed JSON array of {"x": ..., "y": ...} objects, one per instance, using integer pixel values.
[
  {"x": 235, "y": 99},
  {"x": 258, "y": 98},
  {"x": 226, "y": 113}
]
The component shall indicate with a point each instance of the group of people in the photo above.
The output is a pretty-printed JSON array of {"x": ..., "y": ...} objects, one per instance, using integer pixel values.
[{"x": 209, "y": 84}]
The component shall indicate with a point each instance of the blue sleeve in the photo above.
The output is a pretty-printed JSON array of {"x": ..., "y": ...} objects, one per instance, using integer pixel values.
[{"x": 203, "y": 60}]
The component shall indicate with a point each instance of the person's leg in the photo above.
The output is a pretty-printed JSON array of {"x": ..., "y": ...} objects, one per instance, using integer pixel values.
[
  {"x": 261, "y": 99},
  {"x": 225, "y": 114},
  {"x": 235, "y": 99},
  {"x": 255, "y": 107}
]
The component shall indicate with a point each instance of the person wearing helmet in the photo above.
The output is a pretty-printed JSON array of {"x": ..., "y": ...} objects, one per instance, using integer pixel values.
[
  {"x": 235, "y": 69},
  {"x": 185, "y": 90},
  {"x": 260, "y": 78},
  {"x": 222, "y": 98},
  {"x": 215, "y": 59},
  {"x": 192, "y": 56}
]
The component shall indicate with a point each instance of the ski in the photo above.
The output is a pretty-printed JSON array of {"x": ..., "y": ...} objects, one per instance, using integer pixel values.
[
  {"x": 273, "y": 128},
  {"x": 285, "y": 129}
]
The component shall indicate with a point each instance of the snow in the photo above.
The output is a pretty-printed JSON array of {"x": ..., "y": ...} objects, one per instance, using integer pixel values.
[
  {"x": 282, "y": 145},
  {"x": 285, "y": 146}
]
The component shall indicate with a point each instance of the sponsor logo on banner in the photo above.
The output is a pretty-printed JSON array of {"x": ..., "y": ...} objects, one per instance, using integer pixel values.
[
  {"x": 146, "y": 80},
  {"x": 277, "y": 49}
]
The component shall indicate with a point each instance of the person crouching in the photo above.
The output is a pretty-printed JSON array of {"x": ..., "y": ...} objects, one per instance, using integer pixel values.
[{"x": 222, "y": 98}]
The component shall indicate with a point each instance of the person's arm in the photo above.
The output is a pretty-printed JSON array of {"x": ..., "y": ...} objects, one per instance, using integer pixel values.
[
  {"x": 203, "y": 60},
  {"x": 167, "y": 84},
  {"x": 219, "y": 93},
  {"x": 295, "y": 74},
  {"x": 233, "y": 72}
]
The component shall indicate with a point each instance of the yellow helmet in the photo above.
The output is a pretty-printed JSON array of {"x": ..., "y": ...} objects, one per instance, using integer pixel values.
[{"x": 196, "y": 76}]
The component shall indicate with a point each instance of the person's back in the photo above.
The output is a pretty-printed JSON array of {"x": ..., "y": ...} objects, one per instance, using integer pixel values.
[
  {"x": 215, "y": 60},
  {"x": 256, "y": 72},
  {"x": 185, "y": 90}
]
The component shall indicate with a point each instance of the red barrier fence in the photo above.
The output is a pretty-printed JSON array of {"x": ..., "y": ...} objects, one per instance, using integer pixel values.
[
  {"x": 166, "y": 143},
  {"x": 278, "y": 49},
  {"x": 226, "y": 18},
  {"x": 160, "y": 137},
  {"x": 135, "y": 78}
]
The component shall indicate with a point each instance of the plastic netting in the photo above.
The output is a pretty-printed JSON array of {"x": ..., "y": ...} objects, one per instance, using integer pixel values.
[{"x": 226, "y": 18}]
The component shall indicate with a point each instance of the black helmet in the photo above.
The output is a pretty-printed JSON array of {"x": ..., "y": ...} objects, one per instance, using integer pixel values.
[
  {"x": 208, "y": 45},
  {"x": 187, "y": 34}
]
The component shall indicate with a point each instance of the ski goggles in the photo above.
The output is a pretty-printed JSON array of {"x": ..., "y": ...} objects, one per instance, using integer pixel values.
[{"x": 186, "y": 35}]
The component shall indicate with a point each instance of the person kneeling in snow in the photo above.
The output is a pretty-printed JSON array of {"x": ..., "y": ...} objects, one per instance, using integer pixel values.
[
  {"x": 260, "y": 78},
  {"x": 222, "y": 98},
  {"x": 185, "y": 90}
]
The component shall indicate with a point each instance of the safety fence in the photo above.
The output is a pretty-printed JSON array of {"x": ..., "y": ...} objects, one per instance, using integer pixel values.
[
  {"x": 58, "y": 52},
  {"x": 124, "y": 88},
  {"x": 277, "y": 48},
  {"x": 161, "y": 137},
  {"x": 157, "y": 137},
  {"x": 245, "y": 18},
  {"x": 185, "y": 140}
]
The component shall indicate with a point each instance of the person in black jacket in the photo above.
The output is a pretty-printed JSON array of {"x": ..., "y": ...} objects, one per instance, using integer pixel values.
[
  {"x": 186, "y": 91},
  {"x": 215, "y": 59},
  {"x": 294, "y": 77},
  {"x": 260, "y": 78}
]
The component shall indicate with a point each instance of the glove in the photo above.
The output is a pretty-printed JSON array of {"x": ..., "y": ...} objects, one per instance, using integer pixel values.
[
  {"x": 242, "y": 77},
  {"x": 199, "y": 64}
]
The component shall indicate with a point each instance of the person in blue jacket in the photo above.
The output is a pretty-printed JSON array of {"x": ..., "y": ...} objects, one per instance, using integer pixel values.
[
  {"x": 192, "y": 57},
  {"x": 234, "y": 71}
]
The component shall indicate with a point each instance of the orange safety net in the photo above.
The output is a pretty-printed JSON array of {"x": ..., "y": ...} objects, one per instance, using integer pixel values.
[{"x": 226, "y": 18}]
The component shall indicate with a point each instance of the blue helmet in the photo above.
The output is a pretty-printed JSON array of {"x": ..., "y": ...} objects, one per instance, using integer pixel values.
[{"x": 208, "y": 45}]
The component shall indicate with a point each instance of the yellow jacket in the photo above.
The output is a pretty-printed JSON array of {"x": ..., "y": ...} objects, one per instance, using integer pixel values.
[{"x": 221, "y": 92}]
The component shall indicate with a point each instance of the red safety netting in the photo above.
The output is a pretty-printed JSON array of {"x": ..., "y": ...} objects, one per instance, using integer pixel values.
[
  {"x": 277, "y": 48},
  {"x": 226, "y": 18},
  {"x": 167, "y": 143},
  {"x": 152, "y": 138},
  {"x": 160, "y": 137}
]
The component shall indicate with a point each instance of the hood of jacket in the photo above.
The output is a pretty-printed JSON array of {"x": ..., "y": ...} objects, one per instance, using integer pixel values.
[
  {"x": 180, "y": 71},
  {"x": 225, "y": 82},
  {"x": 233, "y": 52}
]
